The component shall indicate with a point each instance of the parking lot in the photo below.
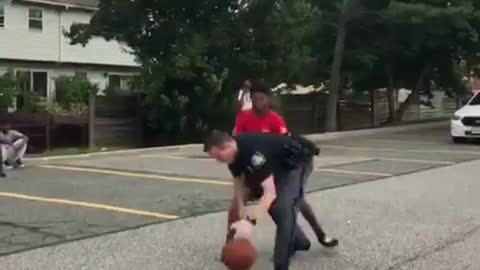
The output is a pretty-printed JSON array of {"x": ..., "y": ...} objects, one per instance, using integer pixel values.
[{"x": 60, "y": 200}]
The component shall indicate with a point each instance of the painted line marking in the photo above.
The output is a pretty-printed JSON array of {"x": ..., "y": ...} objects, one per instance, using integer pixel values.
[
  {"x": 125, "y": 151},
  {"x": 321, "y": 169},
  {"x": 353, "y": 172},
  {"x": 408, "y": 160},
  {"x": 406, "y": 142},
  {"x": 178, "y": 157},
  {"x": 399, "y": 150},
  {"x": 137, "y": 175},
  {"x": 87, "y": 205}
]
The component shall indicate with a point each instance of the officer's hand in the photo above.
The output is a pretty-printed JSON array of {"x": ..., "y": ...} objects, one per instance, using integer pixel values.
[{"x": 243, "y": 229}]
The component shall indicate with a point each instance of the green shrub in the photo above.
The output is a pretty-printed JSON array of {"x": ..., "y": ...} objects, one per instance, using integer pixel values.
[
  {"x": 75, "y": 109},
  {"x": 72, "y": 92},
  {"x": 31, "y": 102},
  {"x": 8, "y": 90}
]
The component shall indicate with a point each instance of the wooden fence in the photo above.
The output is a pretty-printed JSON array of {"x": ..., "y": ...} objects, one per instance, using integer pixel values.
[
  {"x": 48, "y": 131},
  {"x": 35, "y": 126},
  {"x": 118, "y": 121},
  {"x": 306, "y": 113}
]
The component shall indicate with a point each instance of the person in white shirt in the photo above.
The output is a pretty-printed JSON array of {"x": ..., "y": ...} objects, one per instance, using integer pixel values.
[
  {"x": 13, "y": 145},
  {"x": 244, "y": 100}
]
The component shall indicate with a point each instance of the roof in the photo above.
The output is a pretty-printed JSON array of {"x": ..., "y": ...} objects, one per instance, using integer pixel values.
[{"x": 81, "y": 4}]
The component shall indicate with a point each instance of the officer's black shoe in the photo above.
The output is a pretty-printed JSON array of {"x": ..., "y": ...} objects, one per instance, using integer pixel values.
[
  {"x": 301, "y": 247},
  {"x": 327, "y": 241}
]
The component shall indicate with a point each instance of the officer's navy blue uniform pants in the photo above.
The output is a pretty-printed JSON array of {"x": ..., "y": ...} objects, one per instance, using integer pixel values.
[{"x": 284, "y": 211}]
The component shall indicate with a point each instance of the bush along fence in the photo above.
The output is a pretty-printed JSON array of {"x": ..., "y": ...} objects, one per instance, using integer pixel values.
[{"x": 65, "y": 121}]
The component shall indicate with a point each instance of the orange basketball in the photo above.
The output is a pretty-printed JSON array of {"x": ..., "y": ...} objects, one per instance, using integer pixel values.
[{"x": 239, "y": 255}]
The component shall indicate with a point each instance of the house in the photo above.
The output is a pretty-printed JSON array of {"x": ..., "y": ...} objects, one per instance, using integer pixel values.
[{"x": 32, "y": 44}]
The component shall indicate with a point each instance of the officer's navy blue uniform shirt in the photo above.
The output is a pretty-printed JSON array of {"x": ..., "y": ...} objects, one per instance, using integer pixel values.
[{"x": 259, "y": 156}]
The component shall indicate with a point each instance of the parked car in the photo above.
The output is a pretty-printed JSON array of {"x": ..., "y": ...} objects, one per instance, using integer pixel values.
[{"x": 465, "y": 123}]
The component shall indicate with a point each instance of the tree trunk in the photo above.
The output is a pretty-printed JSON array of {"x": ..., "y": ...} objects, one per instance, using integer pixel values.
[
  {"x": 392, "y": 111},
  {"x": 335, "y": 76},
  {"x": 414, "y": 96}
]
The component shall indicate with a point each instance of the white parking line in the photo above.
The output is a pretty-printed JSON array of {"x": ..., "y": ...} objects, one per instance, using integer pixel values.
[
  {"x": 406, "y": 142},
  {"x": 477, "y": 153},
  {"x": 408, "y": 160},
  {"x": 353, "y": 172},
  {"x": 165, "y": 156},
  {"x": 199, "y": 158}
]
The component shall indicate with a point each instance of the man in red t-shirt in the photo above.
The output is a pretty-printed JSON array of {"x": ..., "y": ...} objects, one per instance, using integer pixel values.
[{"x": 262, "y": 119}]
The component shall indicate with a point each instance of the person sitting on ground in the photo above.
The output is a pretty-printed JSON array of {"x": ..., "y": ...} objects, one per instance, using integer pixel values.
[{"x": 13, "y": 146}]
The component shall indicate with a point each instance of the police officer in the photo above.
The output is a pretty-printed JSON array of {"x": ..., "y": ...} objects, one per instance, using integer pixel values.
[
  {"x": 272, "y": 169},
  {"x": 262, "y": 119}
]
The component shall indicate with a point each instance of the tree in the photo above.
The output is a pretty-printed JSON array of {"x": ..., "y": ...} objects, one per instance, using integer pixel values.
[
  {"x": 182, "y": 48},
  {"x": 349, "y": 12},
  {"x": 412, "y": 43},
  {"x": 434, "y": 36},
  {"x": 195, "y": 54}
]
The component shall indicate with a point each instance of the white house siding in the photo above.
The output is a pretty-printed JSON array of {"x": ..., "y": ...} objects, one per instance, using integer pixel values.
[
  {"x": 17, "y": 41},
  {"x": 49, "y": 50}
]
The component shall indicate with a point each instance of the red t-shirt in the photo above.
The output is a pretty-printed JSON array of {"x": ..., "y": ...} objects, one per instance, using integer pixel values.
[{"x": 269, "y": 122}]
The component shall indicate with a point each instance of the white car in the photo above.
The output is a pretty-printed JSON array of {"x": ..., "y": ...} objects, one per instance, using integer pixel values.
[{"x": 465, "y": 123}]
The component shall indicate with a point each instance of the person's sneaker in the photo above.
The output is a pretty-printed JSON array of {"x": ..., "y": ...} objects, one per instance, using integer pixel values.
[
  {"x": 19, "y": 164},
  {"x": 7, "y": 165},
  {"x": 328, "y": 242}
]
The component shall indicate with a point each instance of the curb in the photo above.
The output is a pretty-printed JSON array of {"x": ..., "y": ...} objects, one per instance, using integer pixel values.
[
  {"x": 363, "y": 132},
  {"x": 314, "y": 137}
]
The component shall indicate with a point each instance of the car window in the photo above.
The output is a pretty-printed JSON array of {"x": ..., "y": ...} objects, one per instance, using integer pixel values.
[{"x": 475, "y": 100}]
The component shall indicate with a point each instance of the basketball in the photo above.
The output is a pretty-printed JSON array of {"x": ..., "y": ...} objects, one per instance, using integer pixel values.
[{"x": 239, "y": 255}]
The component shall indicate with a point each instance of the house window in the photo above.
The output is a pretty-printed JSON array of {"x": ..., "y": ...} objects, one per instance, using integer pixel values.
[
  {"x": 40, "y": 83},
  {"x": 121, "y": 83},
  {"x": 81, "y": 75},
  {"x": 114, "y": 82},
  {"x": 2, "y": 16},
  {"x": 35, "y": 18},
  {"x": 36, "y": 81}
]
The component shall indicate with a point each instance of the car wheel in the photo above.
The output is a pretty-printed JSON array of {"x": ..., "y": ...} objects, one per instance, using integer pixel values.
[{"x": 459, "y": 139}]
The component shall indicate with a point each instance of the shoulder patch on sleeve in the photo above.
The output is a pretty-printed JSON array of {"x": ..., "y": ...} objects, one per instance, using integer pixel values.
[{"x": 258, "y": 159}]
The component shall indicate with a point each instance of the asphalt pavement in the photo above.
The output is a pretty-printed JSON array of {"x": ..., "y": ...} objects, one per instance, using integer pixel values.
[{"x": 404, "y": 200}]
